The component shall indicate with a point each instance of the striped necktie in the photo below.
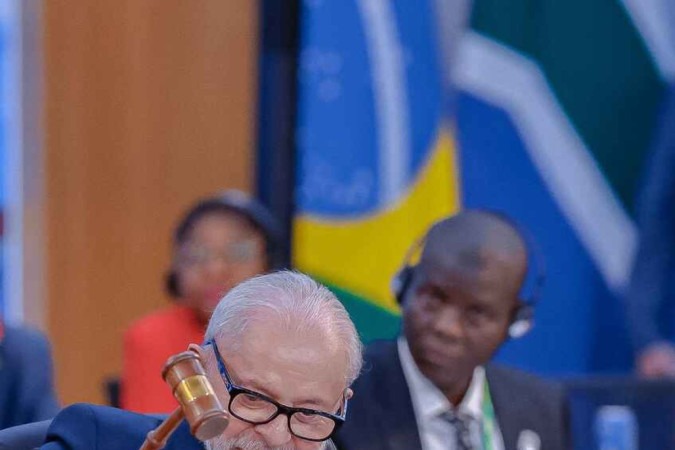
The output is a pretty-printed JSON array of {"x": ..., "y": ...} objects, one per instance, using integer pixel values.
[{"x": 462, "y": 425}]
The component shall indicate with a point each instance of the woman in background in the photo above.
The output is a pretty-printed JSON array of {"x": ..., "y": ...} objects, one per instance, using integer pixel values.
[{"x": 220, "y": 242}]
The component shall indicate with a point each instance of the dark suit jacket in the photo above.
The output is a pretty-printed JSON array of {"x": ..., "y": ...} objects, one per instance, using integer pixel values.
[
  {"x": 91, "y": 427},
  {"x": 26, "y": 378},
  {"x": 381, "y": 415}
]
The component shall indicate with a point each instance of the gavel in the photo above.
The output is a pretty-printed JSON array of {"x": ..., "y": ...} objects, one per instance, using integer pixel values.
[{"x": 199, "y": 405}]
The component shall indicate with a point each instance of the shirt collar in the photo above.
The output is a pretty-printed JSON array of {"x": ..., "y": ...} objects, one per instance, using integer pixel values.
[{"x": 428, "y": 401}]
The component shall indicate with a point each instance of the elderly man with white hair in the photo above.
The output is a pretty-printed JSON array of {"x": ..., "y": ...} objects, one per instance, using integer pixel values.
[{"x": 280, "y": 352}]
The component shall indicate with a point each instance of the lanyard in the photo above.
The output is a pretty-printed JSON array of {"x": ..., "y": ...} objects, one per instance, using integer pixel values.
[{"x": 488, "y": 427}]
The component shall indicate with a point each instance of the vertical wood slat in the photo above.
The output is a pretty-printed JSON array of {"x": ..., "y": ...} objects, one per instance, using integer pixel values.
[{"x": 148, "y": 105}]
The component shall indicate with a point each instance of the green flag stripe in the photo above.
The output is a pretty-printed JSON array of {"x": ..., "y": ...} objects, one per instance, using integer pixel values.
[
  {"x": 372, "y": 321},
  {"x": 597, "y": 66},
  {"x": 521, "y": 89}
]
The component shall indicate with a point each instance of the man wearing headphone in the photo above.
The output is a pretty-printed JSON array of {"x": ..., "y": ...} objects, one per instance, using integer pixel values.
[
  {"x": 218, "y": 243},
  {"x": 434, "y": 388}
]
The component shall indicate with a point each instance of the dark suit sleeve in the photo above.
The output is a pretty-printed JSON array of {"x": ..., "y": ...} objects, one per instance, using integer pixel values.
[
  {"x": 557, "y": 399},
  {"x": 41, "y": 390},
  {"x": 29, "y": 356},
  {"x": 562, "y": 408},
  {"x": 526, "y": 402},
  {"x": 553, "y": 404},
  {"x": 73, "y": 428},
  {"x": 651, "y": 278},
  {"x": 95, "y": 427}
]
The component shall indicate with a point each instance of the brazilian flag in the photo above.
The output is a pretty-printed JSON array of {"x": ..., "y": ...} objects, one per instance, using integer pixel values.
[{"x": 377, "y": 160}]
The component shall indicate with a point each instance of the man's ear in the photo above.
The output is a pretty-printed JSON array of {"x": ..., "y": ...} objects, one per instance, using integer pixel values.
[
  {"x": 349, "y": 393},
  {"x": 198, "y": 350}
]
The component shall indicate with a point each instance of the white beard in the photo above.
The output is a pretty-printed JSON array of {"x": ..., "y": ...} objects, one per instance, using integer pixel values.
[{"x": 244, "y": 443}]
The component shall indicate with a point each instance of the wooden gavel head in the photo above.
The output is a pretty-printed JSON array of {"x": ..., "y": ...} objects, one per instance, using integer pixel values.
[{"x": 186, "y": 376}]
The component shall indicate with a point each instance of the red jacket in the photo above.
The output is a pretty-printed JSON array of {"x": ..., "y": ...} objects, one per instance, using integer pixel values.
[{"x": 148, "y": 343}]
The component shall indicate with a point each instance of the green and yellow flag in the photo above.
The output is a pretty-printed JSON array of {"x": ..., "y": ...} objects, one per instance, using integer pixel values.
[{"x": 377, "y": 162}]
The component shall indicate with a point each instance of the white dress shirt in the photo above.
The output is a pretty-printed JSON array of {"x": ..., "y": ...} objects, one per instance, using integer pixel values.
[{"x": 429, "y": 403}]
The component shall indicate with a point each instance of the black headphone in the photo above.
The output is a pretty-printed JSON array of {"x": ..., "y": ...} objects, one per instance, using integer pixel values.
[
  {"x": 237, "y": 202},
  {"x": 523, "y": 319}
]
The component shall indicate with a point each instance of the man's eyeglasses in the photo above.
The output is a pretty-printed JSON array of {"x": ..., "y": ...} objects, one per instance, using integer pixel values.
[{"x": 256, "y": 408}]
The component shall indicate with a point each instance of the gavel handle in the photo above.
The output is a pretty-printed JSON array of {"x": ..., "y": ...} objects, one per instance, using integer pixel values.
[{"x": 156, "y": 439}]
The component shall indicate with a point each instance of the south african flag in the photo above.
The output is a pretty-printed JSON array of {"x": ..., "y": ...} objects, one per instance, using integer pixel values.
[{"x": 543, "y": 109}]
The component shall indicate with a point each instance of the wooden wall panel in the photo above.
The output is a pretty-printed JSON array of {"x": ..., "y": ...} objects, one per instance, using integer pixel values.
[{"x": 148, "y": 105}]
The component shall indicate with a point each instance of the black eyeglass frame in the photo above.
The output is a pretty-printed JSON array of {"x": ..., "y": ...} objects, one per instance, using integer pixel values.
[{"x": 288, "y": 411}]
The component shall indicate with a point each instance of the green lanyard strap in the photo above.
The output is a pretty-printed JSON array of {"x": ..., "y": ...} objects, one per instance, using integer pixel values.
[{"x": 488, "y": 418}]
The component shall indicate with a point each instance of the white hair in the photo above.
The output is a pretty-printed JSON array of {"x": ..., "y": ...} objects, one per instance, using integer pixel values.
[{"x": 298, "y": 301}]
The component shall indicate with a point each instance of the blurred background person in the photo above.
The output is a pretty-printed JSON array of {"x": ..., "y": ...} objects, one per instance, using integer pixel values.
[
  {"x": 218, "y": 243},
  {"x": 650, "y": 299},
  {"x": 434, "y": 387},
  {"x": 26, "y": 377}
]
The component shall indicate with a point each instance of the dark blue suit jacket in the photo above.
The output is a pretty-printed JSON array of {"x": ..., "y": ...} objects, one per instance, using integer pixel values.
[
  {"x": 26, "y": 378},
  {"x": 91, "y": 427},
  {"x": 650, "y": 298},
  {"x": 381, "y": 414}
]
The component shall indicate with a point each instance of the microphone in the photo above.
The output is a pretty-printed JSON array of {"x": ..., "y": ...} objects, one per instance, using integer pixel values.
[{"x": 528, "y": 440}]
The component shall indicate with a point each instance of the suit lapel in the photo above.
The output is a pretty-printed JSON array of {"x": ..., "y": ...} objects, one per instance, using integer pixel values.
[
  {"x": 507, "y": 411},
  {"x": 396, "y": 415}
]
